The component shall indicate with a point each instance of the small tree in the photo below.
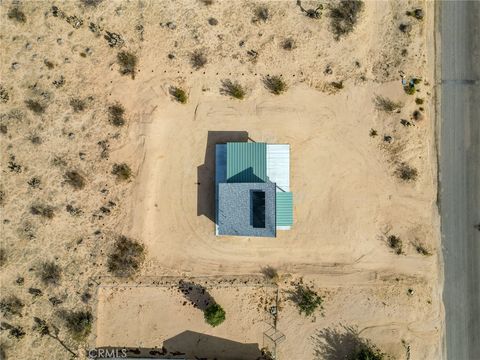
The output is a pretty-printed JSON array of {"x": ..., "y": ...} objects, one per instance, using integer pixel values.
[
  {"x": 306, "y": 299},
  {"x": 214, "y": 315}
]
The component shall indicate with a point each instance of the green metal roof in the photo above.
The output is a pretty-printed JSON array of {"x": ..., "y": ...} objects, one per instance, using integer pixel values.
[
  {"x": 284, "y": 205},
  {"x": 246, "y": 162}
]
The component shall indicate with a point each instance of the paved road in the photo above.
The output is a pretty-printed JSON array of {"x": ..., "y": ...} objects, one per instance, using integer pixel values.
[{"x": 460, "y": 175}]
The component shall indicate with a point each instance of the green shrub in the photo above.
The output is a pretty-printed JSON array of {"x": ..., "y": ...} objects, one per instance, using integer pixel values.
[
  {"x": 179, "y": 95},
  {"x": 306, "y": 300},
  {"x": 233, "y": 89},
  {"x": 275, "y": 84},
  {"x": 49, "y": 273},
  {"x": 78, "y": 323},
  {"x": 121, "y": 171},
  {"x": 410, "y": 89},
  {"x": 126, "y": 257},
  {"x": 127, "y": 62},
  {"x": 214, "y": 315}
]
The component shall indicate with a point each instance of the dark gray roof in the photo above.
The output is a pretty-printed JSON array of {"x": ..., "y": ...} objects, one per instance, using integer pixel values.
[{"x": 234, "y": 216}]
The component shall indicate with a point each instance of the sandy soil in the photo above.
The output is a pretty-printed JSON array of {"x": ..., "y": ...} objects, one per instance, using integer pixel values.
[{"x": 347, "y": 197}]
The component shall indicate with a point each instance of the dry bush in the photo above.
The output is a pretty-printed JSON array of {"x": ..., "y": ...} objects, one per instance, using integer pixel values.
[
  {"x": 198, "y": 59},
  {"x": 115, "y": 114},
  {"x": 74, "y": 179},
  {"x": 262, "y": 14},
  {"x": 13, "y": 330},
  {"x": 49, "y": 273},
  {"x": 126, "y": 258},
  {"x": 78, "y": 323},
  {"x": 312, "y": 13},
  {"x": 35, "y": 106},
  {"x": 270, "y": 273},
  {"x": 179, "y": 94},
  {"x": 233, "y": 89},
  {"x": 406, "y": 173},
  {"x": 17, "y": 15},
  {"x": 91, "y": 2},
  {"x": 288, "y": 44},
  {"x": 344, "y": 17},
  {"x": 275, "y": 84},
  {"x": 128, "y": 63},
  {"x": 77, "y": 105},
  {"x": 385, "y": 104},
  {"x": 395, "y": 243},
  {"x": 373, "y": 133},
  {"x": 307, "y": 300},
  {"x": 45, "y": 211},
  {"x": 3, "y": 257},
  {"x": 421, "y": 249},
  {"x": 11, "y": 305},
  {"x": 121, "y": 171}
]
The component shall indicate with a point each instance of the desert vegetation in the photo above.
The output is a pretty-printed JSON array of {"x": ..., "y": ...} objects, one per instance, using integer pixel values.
[
  {"x": 127, "y": 62},
  {"x": 11, "y": 306},
  {"x": 406, "y": 172},
  {"x": 232, "y": 89},
  {"x": 214, "y": 315},
  {"x": 115, "y": 114},
  {"x": 78, "y": 323},
  {"x": 344, "y": 16},
  {"x": 275, "y": 84},
  {"x": 395, "y": 243},
  {"x": 179, "y": 94},
  {"x": 49, "y": 273},
  {"x": 198, "y": 59},
  {"x": 387, "y": 105},
  {"x": 306, "y": 299},
  {"x": 126, "y": 257},
  {"x": 121, "y": 171},
  {"x": 74, "y": 179}
]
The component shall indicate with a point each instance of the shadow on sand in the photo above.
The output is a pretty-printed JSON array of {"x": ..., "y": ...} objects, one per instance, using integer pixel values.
[{"x": 206, "y": 171}]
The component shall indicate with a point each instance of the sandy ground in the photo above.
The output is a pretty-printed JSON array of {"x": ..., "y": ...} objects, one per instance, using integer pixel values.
[{"x": 347, "y": 198}]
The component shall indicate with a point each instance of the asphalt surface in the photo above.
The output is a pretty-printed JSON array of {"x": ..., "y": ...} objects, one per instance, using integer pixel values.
[{"x": 459, "y": 159}]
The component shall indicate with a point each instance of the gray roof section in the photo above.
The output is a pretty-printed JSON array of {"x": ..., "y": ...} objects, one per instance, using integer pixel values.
[{"x": 234, "y": 216}]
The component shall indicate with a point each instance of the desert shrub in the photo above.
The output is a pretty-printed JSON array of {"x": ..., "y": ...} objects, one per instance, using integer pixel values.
[
  {"x": 422, "y": 249},
  {"x": 14, "y": 331},
  {"x": 337, "y": 85},
  {"x": 417, "y": 115},
  {"x": 49, "y": 273},
  {"x": 419, "y": 101},
  {"x": 91, "y": 2},
  {"x": 306, "y": 299},
  {"x": 275, "y": 84},
  {"x": 261, "y": 13},
  {"x": 35, "y": 106},
  {"x": 17, "y": 15},
  {"x": 127, "y": 62},
  {"x": 115, "y": 114},
  {"x": 77, "y": 105},
  {"x": 288, "y": 44},
  {"x": 45, "y": 211},
  {"x": 344, "y": 17},
  {"x": 410, "y": 89},
  {"x": 212, "y": 21},
  {"x": 373, "y": 133},
  {"x": 417, "y": 14},
  {"x": 270, "y": 273},
  {"x": 198, "y": 59},
  {"x": 406, "y": 173},
  {"x": 233, "y": 89},
  {"x": 126, "y": 257},
  {"x": 207, "y": 2},
  {"x": 4, "y": 96},
  {"x": 72, "y": 210},
  {"x": 11, "y": 305},
  {"x": 395, "y": 243},
  {"x": 78, "y": 323},
  {"x": 179, "y": 95},
  {"x": 35, "y": 292},
  {"x": 3, "y": 257},
  {"x": 214, "y": 315},
  {"x": 405, "y": 28},
  {"x": 34, "y": 182},
  {"x": 121, "y": 171},
  {"x": 311, "y": 13},
  {"x": 74, "y": 179},
  {"x": 113, "y": 39},
  {"x": 385, "y": 104}
]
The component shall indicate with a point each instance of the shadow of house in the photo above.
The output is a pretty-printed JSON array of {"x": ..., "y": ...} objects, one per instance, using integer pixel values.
[
  {"x": 206, "y": 171},
  {"x": 196, "y": 294},
  {"x": 200, "y": 346}
]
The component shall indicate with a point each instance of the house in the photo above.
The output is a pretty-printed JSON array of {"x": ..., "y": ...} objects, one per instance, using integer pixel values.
[{"x": 252, "y": 185}]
